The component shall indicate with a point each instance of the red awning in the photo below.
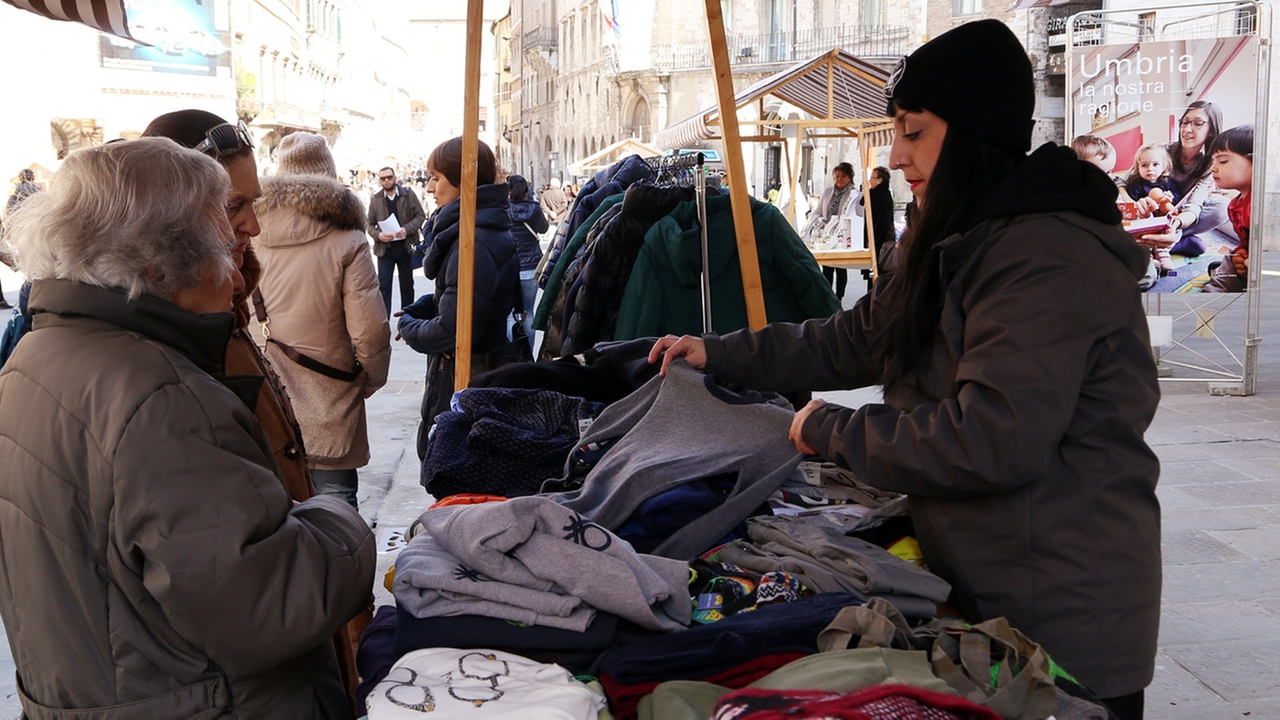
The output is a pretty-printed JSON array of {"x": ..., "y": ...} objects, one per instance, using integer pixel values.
[{"x": 105, "y": 15}]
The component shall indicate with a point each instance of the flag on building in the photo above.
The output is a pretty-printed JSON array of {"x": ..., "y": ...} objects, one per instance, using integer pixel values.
[{"x": 610, "y": 12}]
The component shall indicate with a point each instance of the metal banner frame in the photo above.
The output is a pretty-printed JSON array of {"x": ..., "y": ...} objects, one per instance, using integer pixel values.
[{"x": 1199, "y": 349}]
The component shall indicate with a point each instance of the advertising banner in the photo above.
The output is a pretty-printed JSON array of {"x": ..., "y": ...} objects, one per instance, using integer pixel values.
[
  {"x": 1153, "y": 114},
  {"x": 180, "y": 36}
]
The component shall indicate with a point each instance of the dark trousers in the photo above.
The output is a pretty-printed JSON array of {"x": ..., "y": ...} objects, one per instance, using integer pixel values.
[
  {"x": 340, "y": 483},
  {"x": 841, "y": 277},
  {"x": 1127, "y": 707},
  {"x": 396, "y": 259}
]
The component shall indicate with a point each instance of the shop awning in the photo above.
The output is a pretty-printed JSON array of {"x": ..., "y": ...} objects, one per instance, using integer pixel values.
[
  {"x": 107, "y": 16},
  {"x": 832, "y": 86}
]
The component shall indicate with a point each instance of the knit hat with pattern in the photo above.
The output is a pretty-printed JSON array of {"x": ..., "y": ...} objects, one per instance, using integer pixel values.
[
  {"x": 304, "y": 153},
  {"x": 978, "y": 78}
]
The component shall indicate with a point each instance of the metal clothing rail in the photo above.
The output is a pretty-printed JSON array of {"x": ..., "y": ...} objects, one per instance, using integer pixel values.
[{"x": 678, "y": 170}]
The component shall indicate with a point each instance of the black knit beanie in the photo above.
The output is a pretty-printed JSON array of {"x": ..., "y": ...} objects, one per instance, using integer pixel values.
[{"x": 977, "y": 77}]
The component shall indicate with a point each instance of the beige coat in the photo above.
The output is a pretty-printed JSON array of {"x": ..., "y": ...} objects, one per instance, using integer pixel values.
[
  {"x": 155, "y": 566},
  {"x": 321, "y": 294}
]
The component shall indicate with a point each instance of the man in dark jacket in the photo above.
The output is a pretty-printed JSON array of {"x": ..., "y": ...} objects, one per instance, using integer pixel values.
[
  {"x": 393, "y": 249},
  {"x": 881, "y": 218}
]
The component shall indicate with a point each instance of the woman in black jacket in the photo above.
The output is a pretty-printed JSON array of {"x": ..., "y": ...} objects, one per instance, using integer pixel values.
[
  {"x": 1015, "y": 401},
  {"x": 527, "y": 222},
  {"x": 430, "y": 324}
]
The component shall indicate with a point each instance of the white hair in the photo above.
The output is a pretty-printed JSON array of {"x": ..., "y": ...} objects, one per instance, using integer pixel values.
[
  {"x": 145, "y": 216},
  {"x": 555, "y": 182}
]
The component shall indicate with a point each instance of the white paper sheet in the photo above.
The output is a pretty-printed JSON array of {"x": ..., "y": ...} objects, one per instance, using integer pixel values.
[{"x": 390, "y": 226}]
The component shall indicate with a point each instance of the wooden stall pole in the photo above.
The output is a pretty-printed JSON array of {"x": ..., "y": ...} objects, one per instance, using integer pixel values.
[
  {"x": 748, "y": 260},
  {"x": 868, "y": 160},
  {"x": 467, "y": 229},
  {"x": 794, "y": 171}
]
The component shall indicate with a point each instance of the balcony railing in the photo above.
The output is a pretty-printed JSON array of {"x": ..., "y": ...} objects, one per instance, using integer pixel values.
[
  {"x": 539, "y": 39},
  {"x": 869, "y": 42}
]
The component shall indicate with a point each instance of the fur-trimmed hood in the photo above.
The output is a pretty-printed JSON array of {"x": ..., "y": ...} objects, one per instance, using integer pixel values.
[{"x": 297, "y": 209}]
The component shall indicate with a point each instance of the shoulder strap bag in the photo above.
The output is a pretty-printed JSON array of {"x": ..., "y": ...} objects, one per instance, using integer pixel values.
[{"x": 310, "y": 363}]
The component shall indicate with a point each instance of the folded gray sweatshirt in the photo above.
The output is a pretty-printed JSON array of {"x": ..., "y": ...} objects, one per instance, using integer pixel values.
[
  {"x": 677, "y": 429},
  {"x": 432, "y": 583},
  {"x": 870, "y": 568},
  {"x": 533, "y": 544}
]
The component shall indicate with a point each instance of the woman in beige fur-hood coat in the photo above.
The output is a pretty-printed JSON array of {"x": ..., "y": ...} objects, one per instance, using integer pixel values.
[{"x": 320, "y": 292}]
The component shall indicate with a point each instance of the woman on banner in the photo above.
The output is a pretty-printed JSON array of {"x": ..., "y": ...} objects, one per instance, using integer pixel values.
[
  {"x": 1015, "y": 403},
  {"x": 1200, "y": 209}
]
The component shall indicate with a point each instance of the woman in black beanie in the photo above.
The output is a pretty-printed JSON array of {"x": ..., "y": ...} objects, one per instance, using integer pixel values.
[{"x": 1018, "y": 379}]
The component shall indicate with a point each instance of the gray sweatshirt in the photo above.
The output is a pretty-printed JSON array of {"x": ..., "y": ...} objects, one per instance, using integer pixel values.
[
  {"x": 678, "y": 429},
  {"x": 525, "y": 551}
]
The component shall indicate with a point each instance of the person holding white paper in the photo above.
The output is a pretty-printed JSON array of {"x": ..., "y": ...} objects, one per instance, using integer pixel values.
[{"x": 392, "y": 244}]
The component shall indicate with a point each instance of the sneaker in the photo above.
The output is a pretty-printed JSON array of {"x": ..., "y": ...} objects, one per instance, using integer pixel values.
[{"x": 1164, "y": 261}]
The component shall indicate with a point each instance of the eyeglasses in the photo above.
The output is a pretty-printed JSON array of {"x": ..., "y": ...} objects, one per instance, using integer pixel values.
[
  {"x": 225, "y": 139},
  {"x": 386, "y": 177},
  {"x": 1197, "y": 124}
]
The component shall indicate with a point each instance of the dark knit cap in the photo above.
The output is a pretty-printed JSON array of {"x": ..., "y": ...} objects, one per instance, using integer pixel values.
[{"x": 977, "y": 77}]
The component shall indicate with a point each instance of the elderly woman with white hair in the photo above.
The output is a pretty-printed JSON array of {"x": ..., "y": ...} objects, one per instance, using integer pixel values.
[{"x": 164, "y": 571}]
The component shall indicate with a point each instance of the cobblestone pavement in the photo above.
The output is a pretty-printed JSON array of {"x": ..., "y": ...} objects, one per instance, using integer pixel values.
[{"x": 1219, "y": 489}]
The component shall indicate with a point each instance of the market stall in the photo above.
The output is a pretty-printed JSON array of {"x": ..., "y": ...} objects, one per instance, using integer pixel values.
[{"x": 841, "y": 96}]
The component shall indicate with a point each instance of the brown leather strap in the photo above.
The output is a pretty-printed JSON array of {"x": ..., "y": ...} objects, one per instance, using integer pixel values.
[
  {"x": 314, "y": 365},
  {"x": 310, "y": 363}
]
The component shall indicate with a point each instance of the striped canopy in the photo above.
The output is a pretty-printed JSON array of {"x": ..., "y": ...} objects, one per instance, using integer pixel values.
[
  {"x": 107, "y": 16},
  {"x": 832, "y": 86}
]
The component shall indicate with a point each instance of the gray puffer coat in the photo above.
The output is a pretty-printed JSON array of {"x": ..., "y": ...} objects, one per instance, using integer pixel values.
[{"x": 155, "y": 565}]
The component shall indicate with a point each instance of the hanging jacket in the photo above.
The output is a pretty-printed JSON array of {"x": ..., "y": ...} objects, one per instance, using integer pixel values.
[
  {"x": 664, "y": 293},
  {"x": 552, "y": 339},
  {"x": 612, "y": 180},
  {"x": 526, "y": 215},
  {"x": 165, "y": 571},
  {"x": 1020, "y": 444},
  {"x": 321, "y": 295},
  {"x": 595, "y": 294},
  {"x": 557, "y": 267}
]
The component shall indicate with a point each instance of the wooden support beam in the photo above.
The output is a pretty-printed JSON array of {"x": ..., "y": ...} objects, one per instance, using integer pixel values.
[
  {"x": 467, "y": 226},
  {"x": 748, "y": 259},
  {"x": 868, "y": 164},
  {"x": 794, "y": 171}
]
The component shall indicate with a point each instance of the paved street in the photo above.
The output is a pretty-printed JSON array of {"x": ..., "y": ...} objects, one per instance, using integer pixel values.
[{"x": 1219, "y": 488}]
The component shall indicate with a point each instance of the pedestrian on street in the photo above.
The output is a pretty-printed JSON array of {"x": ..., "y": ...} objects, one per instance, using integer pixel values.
[
  {"x": 881, "y": 220},
  {"x": 25, "y": 188},
  {"x": 527, "y": 223},
  {"x": 554, "y": 202},
  {"x": 1015, "y": 402},
  {"x": 165, "y": 572},
  {"x": 329, "y": 335},
  {"x": 430, "y": 324},
  {"x": 393, "y": 249}
]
